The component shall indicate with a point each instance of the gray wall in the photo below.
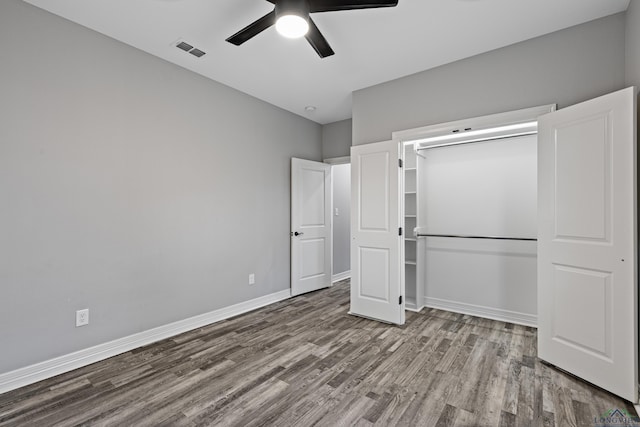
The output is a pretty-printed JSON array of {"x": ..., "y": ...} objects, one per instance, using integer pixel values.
[
  {"x": 336, "y": 139},
  {"x": 341, "y": 222},
  {"x": 565, "y": 67},
  {"x": 633, "y": 44},
  {"x": 131, "y": 187}
]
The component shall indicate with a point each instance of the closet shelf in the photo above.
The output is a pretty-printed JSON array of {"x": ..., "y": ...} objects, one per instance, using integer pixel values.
[{"x": 414, "y": 281}]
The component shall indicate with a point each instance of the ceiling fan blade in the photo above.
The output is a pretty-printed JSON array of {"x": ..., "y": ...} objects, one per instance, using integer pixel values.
[
  {"x": 317, "y": 40},
  {"x": 336, "y": 5},
  {"x": 253, "y": 29}
]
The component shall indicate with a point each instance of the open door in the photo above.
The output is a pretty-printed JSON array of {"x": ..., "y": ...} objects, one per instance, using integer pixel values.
[
  {"x": 377, "y": 259},
  {"x": 587, "y": 244},
  {"x": 310, "y": 226}
]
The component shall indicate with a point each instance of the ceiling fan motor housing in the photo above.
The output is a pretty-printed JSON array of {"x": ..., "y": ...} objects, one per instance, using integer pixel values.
[{"x": 292, "y": 7}]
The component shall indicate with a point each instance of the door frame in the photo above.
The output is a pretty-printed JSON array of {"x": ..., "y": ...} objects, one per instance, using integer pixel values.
[
  {"x": 334, "y": 161},
  {"x": 473, "y": 123},
  {"x": 422, "y": 135}
]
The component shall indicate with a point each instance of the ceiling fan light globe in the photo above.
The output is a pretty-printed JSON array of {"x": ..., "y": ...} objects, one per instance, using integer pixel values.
[{"x": 292, "y": 26}]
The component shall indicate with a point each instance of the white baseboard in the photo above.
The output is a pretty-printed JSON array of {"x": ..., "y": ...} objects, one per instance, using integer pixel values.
[
  {"x": 341, "y": 276},
  {"x": 68, "y": 362},
  {"x": 481, "y": 311}
]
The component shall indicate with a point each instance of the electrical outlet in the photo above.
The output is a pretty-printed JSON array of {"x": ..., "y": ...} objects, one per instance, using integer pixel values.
[
  {"x": 252, "y": 279},
  {"x": 82, "y": 317}
]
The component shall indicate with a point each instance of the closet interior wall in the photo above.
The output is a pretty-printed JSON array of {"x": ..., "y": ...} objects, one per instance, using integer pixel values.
[{"x": 477, "y": 189}]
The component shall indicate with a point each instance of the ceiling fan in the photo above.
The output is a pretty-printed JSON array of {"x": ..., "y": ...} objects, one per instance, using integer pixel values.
[{"x": 291, "y": 18}]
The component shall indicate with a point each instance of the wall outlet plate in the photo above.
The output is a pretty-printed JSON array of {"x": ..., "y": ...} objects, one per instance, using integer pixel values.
[
  {"x": 252, "y": 279},
  {"x": 82, "y": 317}
]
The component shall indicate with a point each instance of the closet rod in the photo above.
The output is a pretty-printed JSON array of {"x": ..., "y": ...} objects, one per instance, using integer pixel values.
[{"x": 456, "y": 236}]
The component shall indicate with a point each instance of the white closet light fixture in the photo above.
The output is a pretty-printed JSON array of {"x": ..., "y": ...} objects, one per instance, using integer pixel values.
[
  {"x": 292, "y": 18},
  {"x": 518, "y": 129}
]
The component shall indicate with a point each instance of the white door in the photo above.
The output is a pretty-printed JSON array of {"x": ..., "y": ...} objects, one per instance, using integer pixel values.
[
  {"x": 587, "y": 322},
  {"x": 377, "y": 276},
  {"x": 310, "y": 226}
]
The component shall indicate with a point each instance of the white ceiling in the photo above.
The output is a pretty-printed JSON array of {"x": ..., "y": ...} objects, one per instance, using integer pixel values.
[{"x": 372, "y": 46}]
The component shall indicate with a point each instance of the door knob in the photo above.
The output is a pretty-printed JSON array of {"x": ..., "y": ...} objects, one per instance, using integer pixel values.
[{"x": 297, "y": 234}]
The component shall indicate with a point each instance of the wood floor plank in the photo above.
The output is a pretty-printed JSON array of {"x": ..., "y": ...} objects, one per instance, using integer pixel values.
[
  {"x": 489, "y": 404},
  {"x": 434, "y": 402},
  {"x": 305, "y": 361},
  {"x": 507, "y": 419},
  {"x": 525, "y": 413},
  {"x": 447, "y": 417}
]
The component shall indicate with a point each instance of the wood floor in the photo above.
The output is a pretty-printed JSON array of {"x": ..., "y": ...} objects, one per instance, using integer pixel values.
[{"x": 305, "y": 361}]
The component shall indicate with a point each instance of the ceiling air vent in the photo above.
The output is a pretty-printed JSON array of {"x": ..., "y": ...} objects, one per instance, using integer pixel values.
[
  {"x": 189, "y": 48},
  {"x": 184, "y": 46}
]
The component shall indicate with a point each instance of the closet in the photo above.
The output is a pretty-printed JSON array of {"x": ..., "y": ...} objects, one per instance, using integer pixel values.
[
  {"x": 470, "y": 210},
  {"x": 459, "y": 183},
  {"x": 528, "y": 216},
  {"x": 474, "y": 203}
]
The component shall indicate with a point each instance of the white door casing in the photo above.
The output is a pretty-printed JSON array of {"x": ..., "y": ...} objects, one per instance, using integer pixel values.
[
  {"x": 587, "y": 242},
  {"x": 310, "y": 226},
  {"x": 377, "y": 255}
]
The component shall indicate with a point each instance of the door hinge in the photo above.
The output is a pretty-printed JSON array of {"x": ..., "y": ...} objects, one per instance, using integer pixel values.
[
  {"x": 400, "y": 231},
  {"x": 400, "y": 300},
  {"x": 400, "y": 162}
]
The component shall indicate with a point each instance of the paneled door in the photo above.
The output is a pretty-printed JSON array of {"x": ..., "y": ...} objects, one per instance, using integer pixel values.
[
  {"x": 310, "y": 226},
  {"x": 587, "y": 242},
  {"x": 377, "y": 259}
]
